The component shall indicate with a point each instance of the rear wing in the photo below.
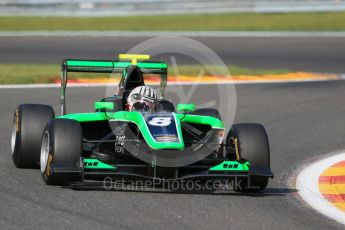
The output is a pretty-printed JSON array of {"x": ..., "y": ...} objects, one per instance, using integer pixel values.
[
  {"x": 110, "y": 66},
  {"x": 97, "y": 66}
]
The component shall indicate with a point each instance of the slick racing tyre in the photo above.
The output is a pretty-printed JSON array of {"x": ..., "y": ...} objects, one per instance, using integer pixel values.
[
  {"x": 249, "y": 142},
  {"x": 29, "y": 122},
  {"x": 61, "y": 149}
]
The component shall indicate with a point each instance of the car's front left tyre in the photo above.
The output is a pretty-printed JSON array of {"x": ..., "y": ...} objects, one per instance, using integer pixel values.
[
  {"x": 249, "y": 142},
  {"x": 61, "y": 149}
]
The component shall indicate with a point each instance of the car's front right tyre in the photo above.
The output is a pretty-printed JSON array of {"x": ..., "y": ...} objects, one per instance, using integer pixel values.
[{"x": 29, "y": 121}]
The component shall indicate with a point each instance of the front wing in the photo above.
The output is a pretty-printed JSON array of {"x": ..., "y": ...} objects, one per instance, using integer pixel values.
[{"x": 92, "y": 169}]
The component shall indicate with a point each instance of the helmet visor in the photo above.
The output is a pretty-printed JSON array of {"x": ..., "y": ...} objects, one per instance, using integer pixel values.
[{"x": 143, "y": 106}]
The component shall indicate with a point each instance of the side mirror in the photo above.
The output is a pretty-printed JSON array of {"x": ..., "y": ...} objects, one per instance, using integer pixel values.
[
  {"x": 100, "y": 105},
  {"x": 185, "y": 108}
]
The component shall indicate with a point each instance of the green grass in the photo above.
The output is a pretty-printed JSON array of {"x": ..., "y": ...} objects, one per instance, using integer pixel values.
[
  {"x": 200, "y": 22},
  {"x": 25, "y": 74},
  {"x": 194, "y": 70},
  {"x": 46, "y": 73}
]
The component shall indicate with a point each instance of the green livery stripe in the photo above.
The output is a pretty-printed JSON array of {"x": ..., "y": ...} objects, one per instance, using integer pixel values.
[
  {"x": 85, "y": 117},
  {"x": 121, "y": 64},
  {"x": 152, "y": 65},
  {"x": 231, "y": 166},
  {"x": 147, "y": 65},
  {"x": 73, "y": 63},
  {"x": 90, "y": 163},
  {"x": 138, "y": 119},
  {"x": 100, "y": 116},
  {"x": 203, "y": 120}
]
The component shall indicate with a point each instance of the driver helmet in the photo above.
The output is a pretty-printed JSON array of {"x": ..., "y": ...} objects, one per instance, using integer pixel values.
[{"x": 142, "y": 98}]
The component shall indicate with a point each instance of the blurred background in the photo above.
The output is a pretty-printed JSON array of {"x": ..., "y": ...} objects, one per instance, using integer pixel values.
[
  {"x": 149, "y": 7},
  {"x": 253, "y": 37}
]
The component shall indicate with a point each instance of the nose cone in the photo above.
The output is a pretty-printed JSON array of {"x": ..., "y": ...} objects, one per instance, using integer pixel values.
[{"x": 162, "y": 130}]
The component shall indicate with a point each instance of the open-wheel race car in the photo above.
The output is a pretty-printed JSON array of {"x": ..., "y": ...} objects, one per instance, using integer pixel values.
[{"x": 136, "y": 135}]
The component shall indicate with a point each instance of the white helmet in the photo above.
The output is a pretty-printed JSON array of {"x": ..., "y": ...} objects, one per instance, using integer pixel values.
[{"x": 142, "y": 98}]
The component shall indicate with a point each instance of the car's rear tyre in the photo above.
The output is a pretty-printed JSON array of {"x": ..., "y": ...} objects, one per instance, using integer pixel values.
[
  {"x": 29, "y": 122},
  {"x": 252, "y": 145},
  {"x": 61, "y": 149}
]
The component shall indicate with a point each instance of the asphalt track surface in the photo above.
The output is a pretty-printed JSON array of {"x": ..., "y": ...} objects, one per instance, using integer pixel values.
[
  {"x": 312, "y": 54},
  {"x": 304, "y": 121}
]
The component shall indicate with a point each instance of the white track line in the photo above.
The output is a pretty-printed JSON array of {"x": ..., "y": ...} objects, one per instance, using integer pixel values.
[
  {"x": 170, "y": 33},
  {"x": 74, "y": 85},
  {"x": 307, "y": 184}
]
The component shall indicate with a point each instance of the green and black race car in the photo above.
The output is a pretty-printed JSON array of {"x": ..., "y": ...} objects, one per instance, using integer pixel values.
[{"x": 182, "y": 144}]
